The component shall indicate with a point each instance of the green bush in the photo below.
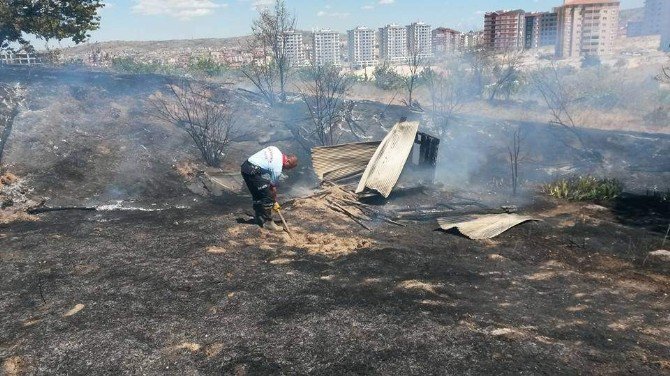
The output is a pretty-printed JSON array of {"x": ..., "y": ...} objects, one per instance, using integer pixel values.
[
  {"x": 584, "y": 188},
  {"x": 129, "y": 65},
  {"x": 386, "y": 78},
  {"x": 206, "y": 66}
]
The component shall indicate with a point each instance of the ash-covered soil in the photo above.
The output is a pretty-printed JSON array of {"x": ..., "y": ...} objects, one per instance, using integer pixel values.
[
  {"x": 163, "y": 293},
  {"x": 196, "y": 290}
]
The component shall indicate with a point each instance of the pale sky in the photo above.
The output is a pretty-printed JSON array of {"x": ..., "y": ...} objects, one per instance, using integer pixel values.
[{"x": 189, "y": 19}]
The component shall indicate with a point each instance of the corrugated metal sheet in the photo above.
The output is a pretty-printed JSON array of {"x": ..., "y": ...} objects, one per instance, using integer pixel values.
[
  {"x": 342, "y": 161},
  {"x": 485, "y": 226},
  {"x": 386, "y": 165}
]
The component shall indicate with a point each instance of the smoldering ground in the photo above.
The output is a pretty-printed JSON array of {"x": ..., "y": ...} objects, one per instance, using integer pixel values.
[{"x": 138, "y": 292}]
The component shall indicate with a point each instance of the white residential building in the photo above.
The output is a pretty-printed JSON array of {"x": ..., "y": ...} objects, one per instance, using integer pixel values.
[
  {"x": 326, "y": 48},
  {"x": 420, "y": 40},
  {"x": 665, "y": 26},
  {"x": 361, "y": 45},
  {"x": 294, "y": 49},
  {"x": 393, "y": 43},
  {"x": 587, "y": 27}
]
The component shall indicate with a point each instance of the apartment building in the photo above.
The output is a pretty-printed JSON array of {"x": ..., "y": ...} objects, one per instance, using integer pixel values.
[
  {"x": 587, "y": 27},
  {"x": 665, "y": 28},
  {"x": 326, "y": 47},
  {"x": 361, "y": 46},
  {"x": 472, "y": 39},
  {"x": 294, "y": 49},
  {"x": 504, "y": 30},
  {"x": 541, "y": 29},
  {"x": 393, "y": 43},
  {"x": 420, "y": 40},
  {"x": 446, "y": 41}
]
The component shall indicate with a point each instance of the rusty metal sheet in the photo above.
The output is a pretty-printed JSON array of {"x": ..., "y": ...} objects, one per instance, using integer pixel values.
[
  {"x": 386, "y": 165},
  {"x": 342, "y": 161},
  {"x": 484, "y": 226}
]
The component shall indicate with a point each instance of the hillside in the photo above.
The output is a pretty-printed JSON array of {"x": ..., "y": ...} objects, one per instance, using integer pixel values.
[{"x": 158, "y": 280}]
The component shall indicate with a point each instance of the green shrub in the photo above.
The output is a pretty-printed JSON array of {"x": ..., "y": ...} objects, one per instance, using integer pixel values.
[
  {"x": 386, "y": 78},
  {"x": 206, "y": 66},
  {"x": 584, "y": 188},
  {"x": 132, "y": 66}
]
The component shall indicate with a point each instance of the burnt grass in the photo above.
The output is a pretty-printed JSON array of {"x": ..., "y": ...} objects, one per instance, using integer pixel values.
[
  {"x": 134, "y": 292},
  {"x": 562, "y": 300}
]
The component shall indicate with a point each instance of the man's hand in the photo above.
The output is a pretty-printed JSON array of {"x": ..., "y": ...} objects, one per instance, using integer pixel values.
[
  {"x": 273, "y": 192},
  {"x": 276, "y": 207}
]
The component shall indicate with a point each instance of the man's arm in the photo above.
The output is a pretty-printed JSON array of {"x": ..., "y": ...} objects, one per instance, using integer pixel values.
[{"x": 273, "y": 192}]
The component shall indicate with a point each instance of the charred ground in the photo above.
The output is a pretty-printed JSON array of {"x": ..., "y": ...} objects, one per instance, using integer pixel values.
[{"x": 194, "y": 290}]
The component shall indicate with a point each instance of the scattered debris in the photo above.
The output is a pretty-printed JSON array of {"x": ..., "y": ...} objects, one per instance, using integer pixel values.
[
  {"x": 15, "y": 199},
  {"x": 74, "y": 310},
  {"x": 485, "y": 226},
  {"x": 380, "y": 164},
  {"x": 659, "y": 255},
  {"x": 386, "y": 165},
  {"x": 340, "y": 200},
  {"x": 496, "y": 257},
  {"x": 333, "y": 163}
]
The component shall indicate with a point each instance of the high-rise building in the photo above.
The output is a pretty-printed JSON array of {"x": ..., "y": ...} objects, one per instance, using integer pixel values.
[
  {"x": 587, "y": 27},
  {"x": 664, "y": 24},
  {"x": 541, "y": 29},
  {"x": 361, "y": 45},
  {"x": 293, "y": 48},
  {"x": 326, "y": 47},
  {"x": 393, "y": 43},
  {"x": 472, "y": 39},
  {"x": 504, "y": 30},
  {"x": 446, "y": 41},
  {"x": 420, "y": 40}
]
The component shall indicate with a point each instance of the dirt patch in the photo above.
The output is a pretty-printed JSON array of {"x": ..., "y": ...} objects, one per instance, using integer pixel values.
[
  {"x": 14, "y": 366},
  {"x": 15, "y": 199},
  {"x": 74, "y": 310},
  {"x": 316, "y": 227}
]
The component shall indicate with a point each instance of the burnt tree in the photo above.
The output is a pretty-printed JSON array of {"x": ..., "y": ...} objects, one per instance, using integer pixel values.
[
  {"x": 269, "y": 37},
  {"x": 324, "y": 95},
  {"x": 11, "y": 100},
  {"x": 507, "y": 77},
  {"x": 447, "y": 94},
  {"x": 203, "y": 112},
  {"x": 559, "y": 99},
  {"x": 412, "y": 81},
  {"x": 514, "y": 152}
]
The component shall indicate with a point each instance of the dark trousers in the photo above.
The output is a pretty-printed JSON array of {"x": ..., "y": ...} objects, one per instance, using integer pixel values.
[{"x": 260, "y": 192}]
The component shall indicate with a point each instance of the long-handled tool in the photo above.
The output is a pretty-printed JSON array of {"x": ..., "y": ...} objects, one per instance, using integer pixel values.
[{"x": 283, "y": 222}]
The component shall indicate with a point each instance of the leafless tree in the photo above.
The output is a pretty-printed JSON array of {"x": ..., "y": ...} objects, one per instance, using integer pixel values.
[
  {"x": 269, "y": 34},
  {"x": 11, "y": 100},
  {"x": 263, "y": 75},
  {"x": 514, "y": 152},
  {"x": 416, "y": 62},
  {"x": 324, "y": 94},
  {"x": 665, "y": 75},
  {"x": 480, "y": 62},
  {"x": 447, "y": 94},
  {"x": 205, "y": 114},
  {"x": 559, "y": 98},
  {"x": 507, "y": 77}
]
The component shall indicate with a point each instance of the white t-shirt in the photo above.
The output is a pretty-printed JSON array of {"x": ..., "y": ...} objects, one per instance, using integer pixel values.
[{"x": 271, "y": 162}]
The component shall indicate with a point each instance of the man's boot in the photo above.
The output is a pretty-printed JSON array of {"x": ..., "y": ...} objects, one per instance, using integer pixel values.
[{"x": 272, "y": 226}]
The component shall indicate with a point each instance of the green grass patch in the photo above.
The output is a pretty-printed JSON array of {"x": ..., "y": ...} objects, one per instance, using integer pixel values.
[{"x": 584, "y": 188}]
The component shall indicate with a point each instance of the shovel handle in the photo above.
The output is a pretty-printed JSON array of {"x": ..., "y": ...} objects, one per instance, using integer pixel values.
[{"x": 283, "y": 222}]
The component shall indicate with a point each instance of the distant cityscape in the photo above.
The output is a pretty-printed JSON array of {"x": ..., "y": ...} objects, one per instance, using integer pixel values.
[{"x": 575, "y": 29}]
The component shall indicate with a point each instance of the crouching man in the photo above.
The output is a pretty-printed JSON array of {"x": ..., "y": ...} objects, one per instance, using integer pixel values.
[{"x": 261, "y": 173}]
